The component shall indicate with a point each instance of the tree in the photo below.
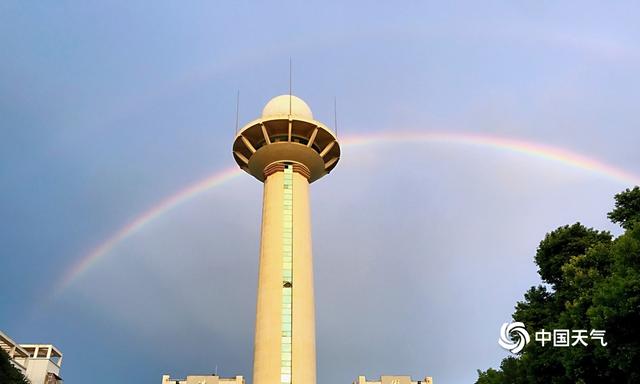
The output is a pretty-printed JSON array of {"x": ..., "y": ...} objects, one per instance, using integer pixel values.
[
  {"x": 627, "y": 209},
  {"x": 592, "y": 282},
  {"x": 8, "y": 373},
  {"x": 559, "y": 246}
]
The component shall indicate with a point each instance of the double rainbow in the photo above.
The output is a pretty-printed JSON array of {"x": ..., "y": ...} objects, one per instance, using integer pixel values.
[{"x": 540, "y": 151}]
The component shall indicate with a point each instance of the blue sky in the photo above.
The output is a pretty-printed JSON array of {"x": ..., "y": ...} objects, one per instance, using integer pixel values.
[{"x": 421, "y": 250}]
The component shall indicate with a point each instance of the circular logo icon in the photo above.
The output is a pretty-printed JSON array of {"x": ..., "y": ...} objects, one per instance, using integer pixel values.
[{"x": 520, "y": 340}]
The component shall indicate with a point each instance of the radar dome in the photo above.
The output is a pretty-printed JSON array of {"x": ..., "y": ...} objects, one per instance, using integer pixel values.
[{"x": 280, "y": 105}]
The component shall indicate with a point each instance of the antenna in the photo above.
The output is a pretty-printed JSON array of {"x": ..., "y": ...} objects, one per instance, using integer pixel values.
[
  {"x": 335, "y": 115},
  {"x": 290, "y": 82},
  {"x": 237, "y": 110}
]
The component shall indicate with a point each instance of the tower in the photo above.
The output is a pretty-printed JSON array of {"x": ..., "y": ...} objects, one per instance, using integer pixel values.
[{"x": 286, "y": 149}]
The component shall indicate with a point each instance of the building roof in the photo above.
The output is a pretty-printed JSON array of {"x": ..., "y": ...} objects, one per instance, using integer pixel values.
[{"x": 7, "y": 344}]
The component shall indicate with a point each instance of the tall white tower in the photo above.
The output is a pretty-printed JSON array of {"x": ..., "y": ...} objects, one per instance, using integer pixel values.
[{"x": 286, "y": 149}]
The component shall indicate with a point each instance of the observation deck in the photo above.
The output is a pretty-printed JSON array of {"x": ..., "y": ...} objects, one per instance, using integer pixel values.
[{"x": 286, "y": 132}]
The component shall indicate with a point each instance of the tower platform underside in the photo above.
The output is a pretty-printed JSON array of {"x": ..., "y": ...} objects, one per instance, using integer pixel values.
[{"x": 286, "y": 138}]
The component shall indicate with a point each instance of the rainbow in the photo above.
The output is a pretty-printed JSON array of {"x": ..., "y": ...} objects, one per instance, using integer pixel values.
[
  {"x": 138, "y": 223},
  {"x": 533, "y": 149},
  {"x": 537, "y": 150}
]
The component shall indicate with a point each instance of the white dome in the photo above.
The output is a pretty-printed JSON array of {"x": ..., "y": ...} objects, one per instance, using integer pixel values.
[{"x": 280, "y": 105}]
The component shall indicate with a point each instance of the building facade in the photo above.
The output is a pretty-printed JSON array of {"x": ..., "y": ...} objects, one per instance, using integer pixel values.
[
  {"x": 393, "y": 380},
  {"x": 200, "y": 379},
  {"x": 40, "y": 363}
]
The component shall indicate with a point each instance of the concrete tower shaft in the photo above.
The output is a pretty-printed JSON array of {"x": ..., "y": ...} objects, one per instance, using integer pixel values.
[{"x": 287, "y": 150}]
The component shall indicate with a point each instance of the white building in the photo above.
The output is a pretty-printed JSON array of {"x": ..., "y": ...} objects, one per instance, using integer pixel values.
[
  {"x": 393, "y": 380},
  {"x": 209, "y": 379},
  {"x": 40, "y": 363}
]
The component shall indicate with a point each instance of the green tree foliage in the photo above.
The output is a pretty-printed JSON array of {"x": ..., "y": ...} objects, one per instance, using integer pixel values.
[
  {"x": 627, "y": 210},
  {"x": 592, "y": 282},
  {"x": 8, "y": 373},
  {"x": 559, "y": 246}
]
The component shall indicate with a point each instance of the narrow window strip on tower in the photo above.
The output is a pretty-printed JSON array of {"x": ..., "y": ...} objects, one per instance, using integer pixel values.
[{"x": 287, "y": 277}]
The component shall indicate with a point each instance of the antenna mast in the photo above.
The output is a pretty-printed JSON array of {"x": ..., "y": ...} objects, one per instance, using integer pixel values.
[
  {"x": 237, "y": 110},
  {"x": 290, "y": 82},
  {"x": 335, "y": 115}
]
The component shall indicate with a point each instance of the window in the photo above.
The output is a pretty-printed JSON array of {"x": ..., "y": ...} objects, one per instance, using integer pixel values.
[{"x": 287, "y": 276}]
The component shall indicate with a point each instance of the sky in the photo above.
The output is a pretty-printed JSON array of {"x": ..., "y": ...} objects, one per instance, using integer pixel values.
[{"x": 421, "y": 248}]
